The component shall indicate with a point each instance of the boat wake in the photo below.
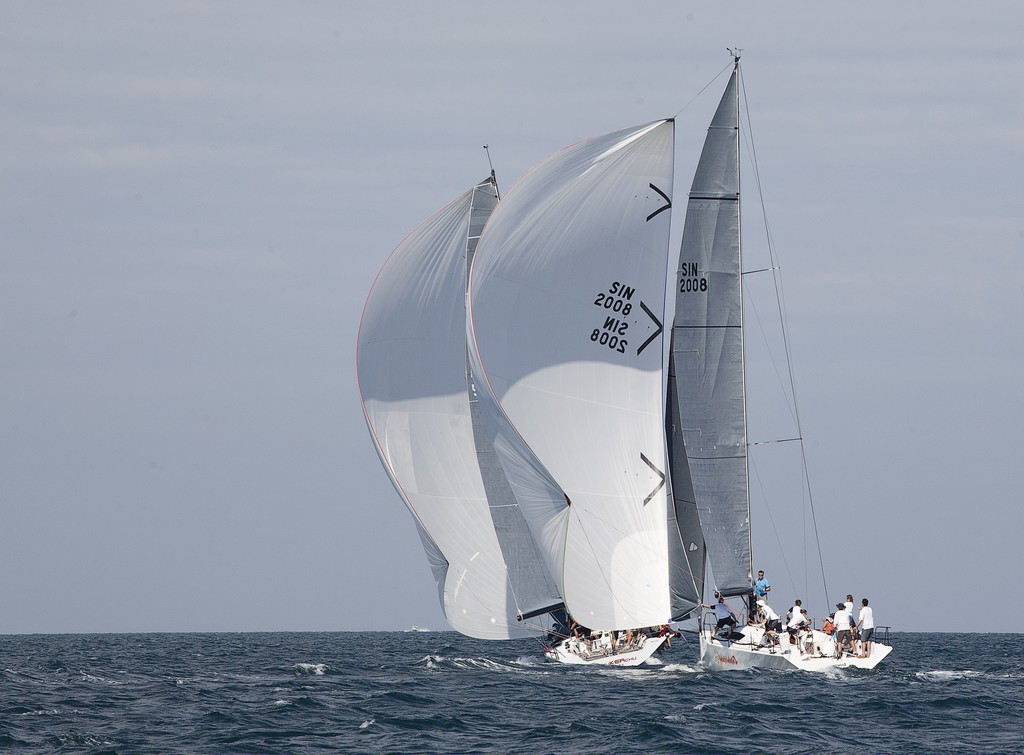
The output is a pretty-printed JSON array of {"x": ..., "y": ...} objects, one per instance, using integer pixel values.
[{"x": 681, "y": 668}]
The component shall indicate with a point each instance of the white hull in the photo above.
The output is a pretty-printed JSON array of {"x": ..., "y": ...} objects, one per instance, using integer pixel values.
[
  {"x": 749, "y": 652},
  {"x": 575, "y": 652}
]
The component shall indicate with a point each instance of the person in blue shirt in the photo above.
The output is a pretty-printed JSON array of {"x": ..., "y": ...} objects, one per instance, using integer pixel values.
[{"x": 761, "y": 586}]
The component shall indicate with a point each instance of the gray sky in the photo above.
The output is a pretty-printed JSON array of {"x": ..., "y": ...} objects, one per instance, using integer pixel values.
[{"x": 195, "y": 198}]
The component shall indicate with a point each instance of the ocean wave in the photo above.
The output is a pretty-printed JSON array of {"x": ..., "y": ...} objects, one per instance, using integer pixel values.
[
  {"x": 432, "y": 693},
  {"x": 313, "y": 669},
  {"x": 681, "y": 668},
  {"x": 945, "y": 676},
  {"x": 435, "y": 662}
]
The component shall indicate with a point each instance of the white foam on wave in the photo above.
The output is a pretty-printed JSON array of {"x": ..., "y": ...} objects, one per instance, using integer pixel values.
[
  {"x": 367, "y": 724},
  {"x": 432, "y": 661},
  {"x": 945, "y": 676},
  {"x": 282, "y": 702},
  {"x": 473, "y": 664},
  {"x": 483, "y": 663},
  {"x": 681, "y": 668},
  {"x": 315, "y": 669},
  {"x": 530, "y": 661}
]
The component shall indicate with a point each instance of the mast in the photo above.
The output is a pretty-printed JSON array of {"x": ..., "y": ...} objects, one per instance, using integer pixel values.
[
  {"x": 707, "y": 350},
  {"x": 736, "y": 53}
]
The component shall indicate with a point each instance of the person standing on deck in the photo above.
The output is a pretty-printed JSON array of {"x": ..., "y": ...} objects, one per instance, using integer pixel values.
[
  {"x": 866, "y": 625},
  {"x": 795, "y": 616},
  {"x": 843, "y": 634},
  {"x": 853, "y": 622},
  {"x": 724, "y": 614},
  {"x": 768, "y": 617},
  {"x": 761, "y": 588}
]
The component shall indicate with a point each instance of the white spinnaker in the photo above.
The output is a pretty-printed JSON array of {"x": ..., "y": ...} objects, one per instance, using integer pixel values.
[
  {"x": 567, "y": 298},
  {"x": 411, "y": 358}
]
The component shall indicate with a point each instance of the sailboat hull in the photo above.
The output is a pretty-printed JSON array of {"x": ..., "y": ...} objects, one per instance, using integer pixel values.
[
  {"x": 574, "y": 653},
  {"x": 814, "y": 653}
]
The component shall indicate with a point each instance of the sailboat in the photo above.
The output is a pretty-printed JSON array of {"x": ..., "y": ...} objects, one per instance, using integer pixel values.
[{"x": 572, "y": 463}]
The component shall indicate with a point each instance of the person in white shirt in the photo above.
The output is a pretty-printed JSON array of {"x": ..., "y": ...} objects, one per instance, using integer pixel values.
[
  {"x": 768, "y": 616},
  {"x": 795, "y": 616},
  {"x": 843, "y": 634},
  {"x": 770, "y": 620},
  {"x": 726, "y": 616},
  {"x": 866, "y": 625}
]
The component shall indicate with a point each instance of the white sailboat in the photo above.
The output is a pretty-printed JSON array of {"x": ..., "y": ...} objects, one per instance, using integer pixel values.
[
  {"x": 706, "y": 377},
  {"x": 563, "y": 463}
]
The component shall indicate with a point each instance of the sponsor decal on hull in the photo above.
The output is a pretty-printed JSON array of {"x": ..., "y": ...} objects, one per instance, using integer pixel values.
[{"x": 722, "y": 659}]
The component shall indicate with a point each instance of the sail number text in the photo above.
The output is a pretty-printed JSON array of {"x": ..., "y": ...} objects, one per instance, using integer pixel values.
[
  {"x": 617, "y": 301},
  {"x": 690, "y": 279}
]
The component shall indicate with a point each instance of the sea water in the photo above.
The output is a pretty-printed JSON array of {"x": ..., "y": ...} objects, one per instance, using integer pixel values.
[{"x": 413, "y": 692}]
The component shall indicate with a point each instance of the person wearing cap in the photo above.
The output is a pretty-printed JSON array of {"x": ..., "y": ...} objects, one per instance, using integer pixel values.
[
  {"x": 843, "y": 634},
  {"x": 770, "y": 620},
  {"x": 726, "y": 616},
  {"x": 766, "y": 615}
]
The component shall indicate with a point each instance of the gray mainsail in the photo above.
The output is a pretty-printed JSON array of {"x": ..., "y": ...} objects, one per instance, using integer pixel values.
[
  {"x": 686, "y": 540},
  {"x": 707, "y": 351}
]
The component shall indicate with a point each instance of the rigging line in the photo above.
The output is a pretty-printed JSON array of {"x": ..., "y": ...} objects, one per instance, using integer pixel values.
[
  {"x": 586, "y": 536},
  {"x": 717, "y": 75},
  {"x": 775, "y": 530},
  {"x": 752, "y": 304},
  {"x": 685, "y": 571},
  {"x": 780, "y": 299}
]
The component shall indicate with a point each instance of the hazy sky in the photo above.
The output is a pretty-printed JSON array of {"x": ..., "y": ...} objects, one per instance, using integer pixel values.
[{"x": 195, "y": 198}]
